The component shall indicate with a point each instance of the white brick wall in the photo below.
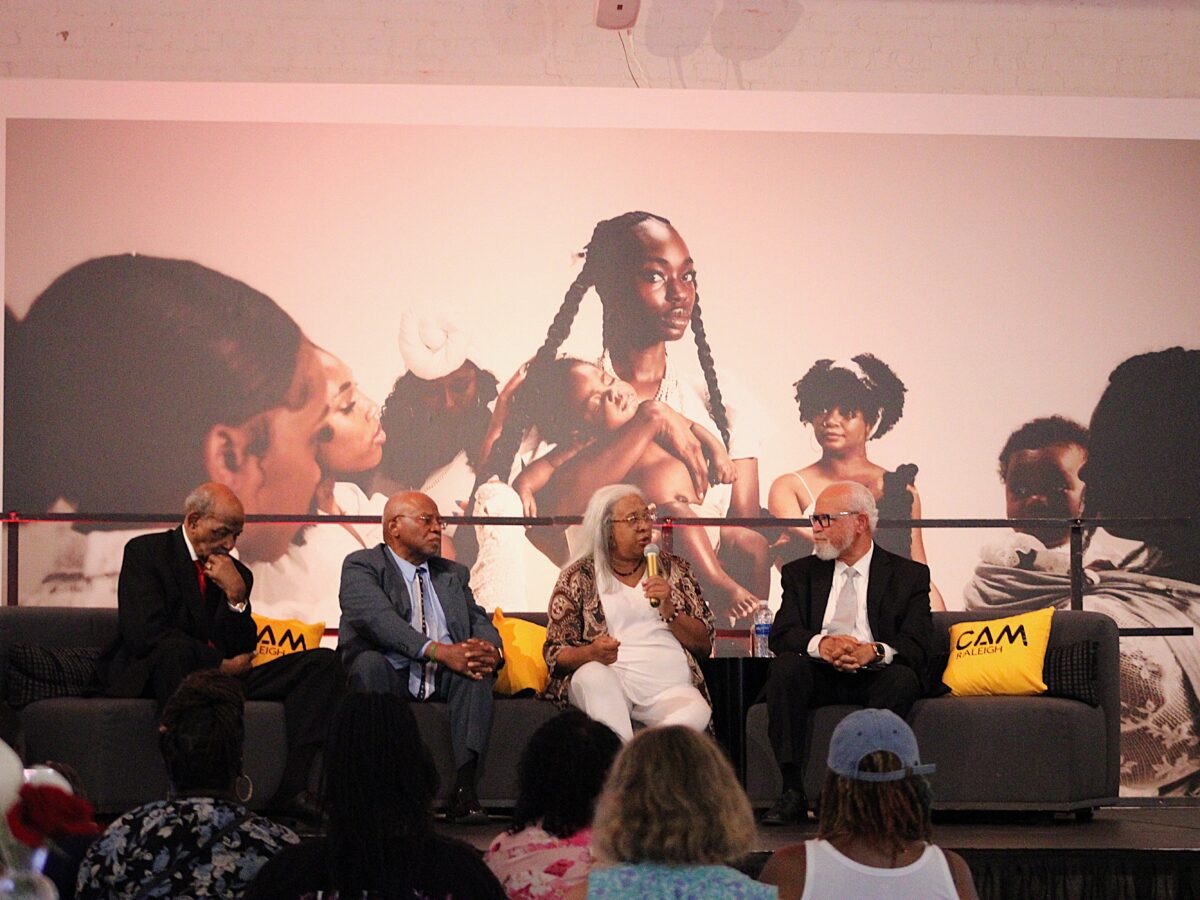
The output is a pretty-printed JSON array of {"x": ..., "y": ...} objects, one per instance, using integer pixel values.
[{"x": 1134, "y": 48}]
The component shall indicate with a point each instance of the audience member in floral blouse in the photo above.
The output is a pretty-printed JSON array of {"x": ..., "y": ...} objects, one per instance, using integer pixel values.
[
  {"x": 201, "y": 842},
  {"x": 547, "y": 850}
]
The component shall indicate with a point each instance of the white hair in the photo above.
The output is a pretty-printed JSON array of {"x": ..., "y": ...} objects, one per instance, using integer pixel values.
[
  {"x": 859, "y": 500},
  {"x": 597, "y": 530}
]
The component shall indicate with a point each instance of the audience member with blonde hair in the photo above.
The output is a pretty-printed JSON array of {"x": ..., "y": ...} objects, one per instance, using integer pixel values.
[
  {"x": 670, "y": 821},
  {"x": 875, "y": 834}
]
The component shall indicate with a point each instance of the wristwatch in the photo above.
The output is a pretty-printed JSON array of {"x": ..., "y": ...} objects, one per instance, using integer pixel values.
[{"x": 879, "y": 653}]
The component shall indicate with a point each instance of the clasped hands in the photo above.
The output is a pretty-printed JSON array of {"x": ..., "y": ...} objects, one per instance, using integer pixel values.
[
  {"x": 846, "y": 653},
  {"x": 473, "y": 657}
]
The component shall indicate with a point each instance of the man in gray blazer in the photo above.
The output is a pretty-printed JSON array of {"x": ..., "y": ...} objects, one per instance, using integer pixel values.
[{"x": 410, "y": 626}]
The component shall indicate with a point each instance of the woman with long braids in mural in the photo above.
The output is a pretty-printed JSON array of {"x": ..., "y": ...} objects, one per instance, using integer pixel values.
[
  {"x": 848, "y": 403},
  {"x": 643, "y": 273}
]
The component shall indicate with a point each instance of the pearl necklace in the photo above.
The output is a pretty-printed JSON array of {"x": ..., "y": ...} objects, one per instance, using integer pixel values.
[{"x": 668, "y": 387}]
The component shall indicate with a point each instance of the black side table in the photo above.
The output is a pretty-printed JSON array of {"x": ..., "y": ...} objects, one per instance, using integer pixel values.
[{"x": 734, "y": 683}]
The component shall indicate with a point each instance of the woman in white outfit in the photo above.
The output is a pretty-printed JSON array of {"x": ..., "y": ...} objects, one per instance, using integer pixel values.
[{"x": 622, "y": 645}]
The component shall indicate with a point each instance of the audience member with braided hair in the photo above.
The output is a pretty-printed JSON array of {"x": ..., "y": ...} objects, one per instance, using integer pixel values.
[
  {"x": 547, "y": 849},
  {"x": 644, "y": 275},
  {"x": 848, "y": 403},
  {"x": 201, "y": 841},
  {"x": 378, "y": 789},
  {"x": 671, "y": 821},
  {"x": 875, "y": 831}
]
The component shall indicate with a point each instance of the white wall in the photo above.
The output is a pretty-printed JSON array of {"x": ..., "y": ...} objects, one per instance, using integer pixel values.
[{"x": 1133, "y": 48}]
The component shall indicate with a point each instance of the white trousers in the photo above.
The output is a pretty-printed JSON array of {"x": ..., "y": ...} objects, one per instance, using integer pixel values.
[{"x": 597, "y": 690}]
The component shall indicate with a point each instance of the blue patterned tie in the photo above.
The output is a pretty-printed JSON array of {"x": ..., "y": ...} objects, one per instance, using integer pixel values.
[{"x": 428, "y": 674}]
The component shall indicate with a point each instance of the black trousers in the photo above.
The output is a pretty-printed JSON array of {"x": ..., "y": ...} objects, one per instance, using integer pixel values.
[
  {"x": 470, "y": 701},
  {"x": 797, "y": 684},
  {"x": 310, "y": 685}
]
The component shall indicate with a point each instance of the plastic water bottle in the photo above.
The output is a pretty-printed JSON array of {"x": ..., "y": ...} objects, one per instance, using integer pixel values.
[{"x": 760, "y": 632}]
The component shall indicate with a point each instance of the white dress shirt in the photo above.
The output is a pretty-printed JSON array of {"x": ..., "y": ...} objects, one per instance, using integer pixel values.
[{"x": 862, "y": 627}]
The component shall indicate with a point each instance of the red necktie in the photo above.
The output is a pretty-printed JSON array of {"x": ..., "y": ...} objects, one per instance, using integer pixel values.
[
  {"x": 202, "y": 580},
  {"x": 201, "y": 577}
]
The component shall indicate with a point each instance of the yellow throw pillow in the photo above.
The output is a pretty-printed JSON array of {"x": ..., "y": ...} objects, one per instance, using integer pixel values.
[
  {"x": 524, "y": 665},
  {"x": 999, "y": 656},
  {"x": 279, "y": 637}
]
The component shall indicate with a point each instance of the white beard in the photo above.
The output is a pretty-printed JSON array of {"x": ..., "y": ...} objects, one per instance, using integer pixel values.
[{"x": 828, "y": 550}]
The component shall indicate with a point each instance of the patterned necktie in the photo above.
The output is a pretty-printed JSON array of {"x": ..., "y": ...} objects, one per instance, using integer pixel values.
[
  {"x": 845, "y": 613},
  {"x": 201, "y": 578},
  {"x": 421, "y": 623}
]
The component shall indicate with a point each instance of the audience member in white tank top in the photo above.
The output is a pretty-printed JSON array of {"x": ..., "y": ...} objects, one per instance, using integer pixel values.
[{"x": 873, "y": 839}]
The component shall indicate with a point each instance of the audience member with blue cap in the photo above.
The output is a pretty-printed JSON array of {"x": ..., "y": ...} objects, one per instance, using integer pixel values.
[{"x": 874, "y": 834}]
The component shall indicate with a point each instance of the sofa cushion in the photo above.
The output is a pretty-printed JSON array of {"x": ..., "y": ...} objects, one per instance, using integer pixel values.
[
  {"x": 1071, "y": 671},
  {"x": 999, "y": 656},
  {"x": 524, "y": 666},
  {"x": 42, "y": 673},
  {"x": 280, "y": 637}
]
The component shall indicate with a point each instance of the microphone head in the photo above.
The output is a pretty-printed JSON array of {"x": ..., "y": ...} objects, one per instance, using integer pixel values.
[{"x": 650, "y": 550}]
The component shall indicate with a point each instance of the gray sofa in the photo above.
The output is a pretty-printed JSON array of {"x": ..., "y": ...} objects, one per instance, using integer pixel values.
[
  {"x": 996, "y": 753},
  {"x": 992, "y": 752},
  {"x": 114, "y": 745}
]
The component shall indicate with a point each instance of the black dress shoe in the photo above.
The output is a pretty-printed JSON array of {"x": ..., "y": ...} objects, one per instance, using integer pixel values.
[
  {"x": 465, "y": 809},
  {"x": 790, "y": 809}
]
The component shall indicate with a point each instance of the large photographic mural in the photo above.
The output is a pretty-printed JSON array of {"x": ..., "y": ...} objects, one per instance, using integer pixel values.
[{"x": 730, "y": 319}]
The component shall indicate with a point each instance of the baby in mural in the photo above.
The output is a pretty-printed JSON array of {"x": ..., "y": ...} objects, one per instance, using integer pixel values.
[
  {"x": 579, "y": 406},
  {"x": 1028, "y": 569}
]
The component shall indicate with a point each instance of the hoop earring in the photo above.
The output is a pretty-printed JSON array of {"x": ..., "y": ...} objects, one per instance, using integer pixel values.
[{"x": 243, "y": 788}]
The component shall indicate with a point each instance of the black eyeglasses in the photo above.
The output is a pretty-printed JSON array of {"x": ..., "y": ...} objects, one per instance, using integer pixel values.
[{"x": 824, "y": 520}]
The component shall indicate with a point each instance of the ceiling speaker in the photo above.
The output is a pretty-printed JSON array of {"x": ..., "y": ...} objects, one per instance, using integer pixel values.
[{"x": 617, "y": 14}]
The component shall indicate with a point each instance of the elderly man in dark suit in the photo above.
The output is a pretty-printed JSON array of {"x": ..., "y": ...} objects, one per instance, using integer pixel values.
[
  {"x": 410, "y": 626},
  {"x": 183, "y": 604},
  {"x": 854, "y": 627}
]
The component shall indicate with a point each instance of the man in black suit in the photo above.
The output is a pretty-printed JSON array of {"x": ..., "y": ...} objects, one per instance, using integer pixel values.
[
  {"x": 854, "y": 627},
  {"x": 184, "y": 604},
  {"x": 410, "y": 626}
]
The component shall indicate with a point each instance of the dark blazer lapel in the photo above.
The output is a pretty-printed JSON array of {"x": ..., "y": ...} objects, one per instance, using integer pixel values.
[
  {"x": 189, "y": 583},
  {"x": 393, "y": 584},
  {"x": 878, "y": 582},
  {"x": 455, "y": 612},
  {"x": 820, "y": 583}
]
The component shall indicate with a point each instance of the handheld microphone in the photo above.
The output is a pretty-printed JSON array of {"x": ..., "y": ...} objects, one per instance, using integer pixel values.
[{"x": 651, "y": 554}]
